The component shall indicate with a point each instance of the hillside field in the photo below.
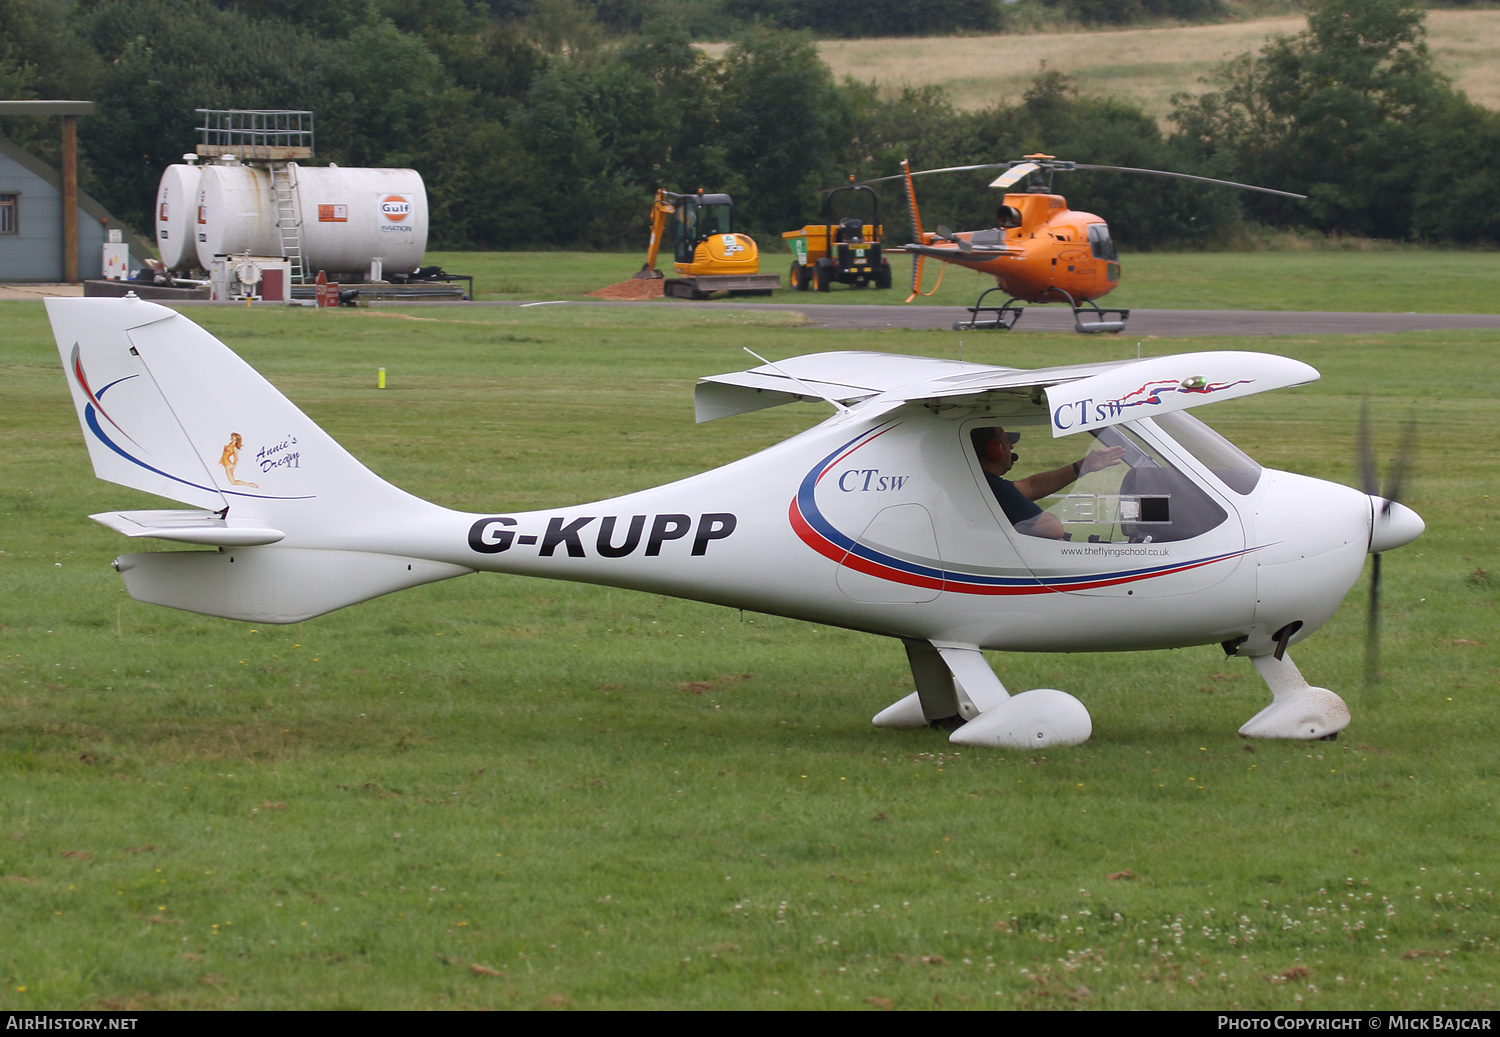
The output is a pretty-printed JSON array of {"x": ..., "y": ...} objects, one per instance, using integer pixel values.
[{"x": 1147, "y": 66}]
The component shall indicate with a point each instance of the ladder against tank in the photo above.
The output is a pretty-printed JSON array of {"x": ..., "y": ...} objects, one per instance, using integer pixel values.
[{"x": 289, "y": 218}]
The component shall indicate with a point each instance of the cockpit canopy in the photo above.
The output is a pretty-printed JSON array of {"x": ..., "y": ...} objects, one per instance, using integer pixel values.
[{"x": 1143, "y": 497}]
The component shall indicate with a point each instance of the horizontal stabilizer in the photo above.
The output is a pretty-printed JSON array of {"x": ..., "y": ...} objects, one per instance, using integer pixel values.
[
  {"x": 188, "y": 527},
  {"x": 272, "y": 584},
  {"x": 950, "y": 252}
]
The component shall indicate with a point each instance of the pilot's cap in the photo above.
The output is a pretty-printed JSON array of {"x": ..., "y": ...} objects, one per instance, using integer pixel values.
[{"x": 982, "y": 434}]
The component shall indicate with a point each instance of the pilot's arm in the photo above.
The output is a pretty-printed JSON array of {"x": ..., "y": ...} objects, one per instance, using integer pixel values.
[
  {"x": 1023, "y": 512},
  {"x": 1044, "y": 484},
  {"x": 1045, "y": 525}
]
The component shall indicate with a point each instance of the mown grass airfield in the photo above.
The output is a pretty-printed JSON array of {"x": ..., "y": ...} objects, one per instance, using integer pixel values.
[{"x": 510, "y": 793}]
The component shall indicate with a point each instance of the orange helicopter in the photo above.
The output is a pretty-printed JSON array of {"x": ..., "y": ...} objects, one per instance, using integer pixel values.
[{"x": 1040, "y": 250}]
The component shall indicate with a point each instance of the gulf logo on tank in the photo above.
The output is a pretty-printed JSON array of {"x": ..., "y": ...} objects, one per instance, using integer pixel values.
[{"x": 396, "y": 207}]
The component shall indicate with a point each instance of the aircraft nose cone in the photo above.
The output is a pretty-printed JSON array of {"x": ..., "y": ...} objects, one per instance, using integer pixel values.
[{"x": 1394, "y": 525}]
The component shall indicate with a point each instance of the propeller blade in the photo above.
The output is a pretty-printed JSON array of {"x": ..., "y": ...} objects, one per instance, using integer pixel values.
[
  {"x": 1401, "y": 462},
  {"x": 1368, "y": 481},
  {"x": 1188, "y": 176},
  {"x": 1372, "y": 632},
  {"x": 1392, "y": 496}
]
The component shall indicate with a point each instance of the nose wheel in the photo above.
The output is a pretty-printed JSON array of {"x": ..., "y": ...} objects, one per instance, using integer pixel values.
[{"x": 1297, "y": 710}]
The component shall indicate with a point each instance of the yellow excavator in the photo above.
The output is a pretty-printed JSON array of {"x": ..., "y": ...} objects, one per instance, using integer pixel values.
[{"x": 709, "y": 256}]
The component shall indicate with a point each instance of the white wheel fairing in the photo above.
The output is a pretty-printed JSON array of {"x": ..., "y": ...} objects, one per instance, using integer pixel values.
[{"x": 1031, "y": 720}]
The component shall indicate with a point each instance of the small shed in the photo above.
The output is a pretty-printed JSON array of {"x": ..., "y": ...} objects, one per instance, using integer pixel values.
[{"x": 31, "y": 222}]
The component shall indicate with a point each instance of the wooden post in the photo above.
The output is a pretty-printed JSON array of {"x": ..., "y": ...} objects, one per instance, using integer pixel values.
[{"x": 70, "y": 197}]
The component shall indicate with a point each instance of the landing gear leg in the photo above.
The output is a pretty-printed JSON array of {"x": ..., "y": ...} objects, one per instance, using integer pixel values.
[
  {"x": 959, "y": 693},
  {"x": 1297, "y": 709},
  {"x": 939, "y": 700},
  {"x": 1002, "y": 317}
]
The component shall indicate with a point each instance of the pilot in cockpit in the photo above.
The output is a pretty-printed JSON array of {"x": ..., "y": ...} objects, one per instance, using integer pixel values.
[{"x": 1017, "y": 499}]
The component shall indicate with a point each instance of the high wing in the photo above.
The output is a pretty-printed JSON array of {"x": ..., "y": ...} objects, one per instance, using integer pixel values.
[
  {"x": 1079, "y": 396},
  {"x": 847, "y": 377}
]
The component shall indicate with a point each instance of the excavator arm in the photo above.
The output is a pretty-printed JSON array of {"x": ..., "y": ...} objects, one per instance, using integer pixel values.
[{"x": 661, "y": 210}]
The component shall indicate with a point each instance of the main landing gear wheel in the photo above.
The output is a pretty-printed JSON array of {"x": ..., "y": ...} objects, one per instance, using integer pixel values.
[{"x": 958, "y": 692}]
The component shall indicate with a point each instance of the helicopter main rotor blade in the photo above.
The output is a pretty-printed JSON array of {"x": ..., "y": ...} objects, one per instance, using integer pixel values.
[
  {"x": 1015, "y": 174},
  {"x": 1188, "y": 176},
  {"x": 945, "y": 169}
]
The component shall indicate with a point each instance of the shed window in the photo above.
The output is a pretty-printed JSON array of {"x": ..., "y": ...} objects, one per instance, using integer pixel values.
[{"x": 8, "y": 220}]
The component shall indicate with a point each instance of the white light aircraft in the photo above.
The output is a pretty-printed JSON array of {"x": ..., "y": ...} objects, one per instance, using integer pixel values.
[{"x": 1154, "y": 531}]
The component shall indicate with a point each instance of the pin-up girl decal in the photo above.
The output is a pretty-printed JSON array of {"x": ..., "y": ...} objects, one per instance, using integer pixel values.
[{"x": 231, "y": 457}]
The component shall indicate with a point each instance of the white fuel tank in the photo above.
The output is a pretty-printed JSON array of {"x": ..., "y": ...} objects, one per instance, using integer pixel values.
[
  {"x": 349, "y": 217},
  {"x": 176, "y": 216},
  {"x": 353, "y": 216},
  {"x": 236, "y": 212}
]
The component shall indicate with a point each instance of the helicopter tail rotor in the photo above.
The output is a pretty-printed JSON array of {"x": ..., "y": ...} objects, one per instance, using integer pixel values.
[{"x": 946, "y": 233}]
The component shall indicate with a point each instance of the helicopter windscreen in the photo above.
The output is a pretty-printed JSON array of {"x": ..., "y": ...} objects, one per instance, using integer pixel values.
[
  {"x": 1141, "y": 498},
  {"x": 1100, "y": 243}
]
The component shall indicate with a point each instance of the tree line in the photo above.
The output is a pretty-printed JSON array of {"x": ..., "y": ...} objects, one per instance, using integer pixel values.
[{"x": 548, "y": 123}]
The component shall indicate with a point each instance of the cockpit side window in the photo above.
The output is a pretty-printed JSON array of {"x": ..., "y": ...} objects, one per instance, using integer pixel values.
[{"x": 1104, "y": 486}]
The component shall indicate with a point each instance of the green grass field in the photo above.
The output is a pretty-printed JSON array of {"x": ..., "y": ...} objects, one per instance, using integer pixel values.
[
  {"x": 509, "y": 793},
  {"x": 1391, "y": 281}
]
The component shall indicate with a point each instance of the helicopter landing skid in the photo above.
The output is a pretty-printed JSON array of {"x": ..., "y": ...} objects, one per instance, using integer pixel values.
[
  {"x": 1088, "y": 318},
  {"x": 1003, "y": 319},
  {"x": 1100, "y": 322}
]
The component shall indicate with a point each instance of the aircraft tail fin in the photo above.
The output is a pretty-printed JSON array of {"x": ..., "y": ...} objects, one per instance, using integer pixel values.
[{"x": 169, "y": 409}]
